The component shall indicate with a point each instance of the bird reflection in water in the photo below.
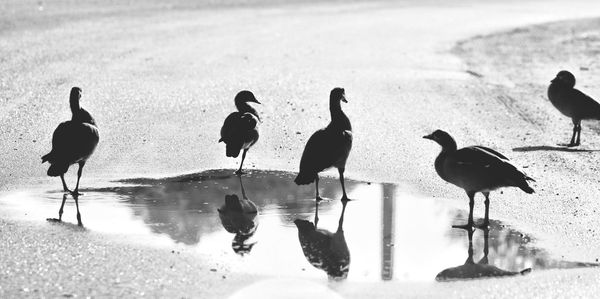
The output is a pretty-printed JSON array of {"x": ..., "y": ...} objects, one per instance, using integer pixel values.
[
  {"x": 481, "y": 269},
  {"x": 60, "y": 211},
  {"x": 323, "y": 249},
  {"x": 239, "y": 217}
]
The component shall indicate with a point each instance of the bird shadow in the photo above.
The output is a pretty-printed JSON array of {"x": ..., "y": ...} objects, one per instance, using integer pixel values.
[
  {"x": 67, "y": 225},
  {"x": 551, "y": 148}
]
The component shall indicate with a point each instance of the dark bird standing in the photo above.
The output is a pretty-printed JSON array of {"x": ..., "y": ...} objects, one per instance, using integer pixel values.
[
  {"x": 238, "y": 216},
  {"x": 73, "y": 142},
  {"x": 476, "y": 169},
  {"x": 328, "y": 147},
  {"x": 572, "y": 103},
  {"x": 481, "y": 269},
  {"x": 240, "y": 131},
  {"x": 323, "y": 249}
]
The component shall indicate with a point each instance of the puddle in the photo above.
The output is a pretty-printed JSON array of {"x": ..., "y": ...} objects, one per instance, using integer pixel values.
[{"x": 268, "y": 227}]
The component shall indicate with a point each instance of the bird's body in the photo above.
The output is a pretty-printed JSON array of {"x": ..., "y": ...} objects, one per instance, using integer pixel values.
[
  {"x": 476, "y": 169},
  {"x": 328, "y": 147},
  {"x": 73, "y": 142},
  {"x": 240, "y": 131},
  {"x": 572, "y": 103}
]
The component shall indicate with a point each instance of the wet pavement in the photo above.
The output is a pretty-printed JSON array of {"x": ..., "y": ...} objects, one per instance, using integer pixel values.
[{"x": 263, "y": 223}]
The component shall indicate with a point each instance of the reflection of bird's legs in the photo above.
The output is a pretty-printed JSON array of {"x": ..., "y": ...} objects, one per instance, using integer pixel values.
[
  {"x": 469, "y": 225},
  {"x": 79, "y": 172},
  {"x": 341, "y": 221},
  {"x": 239, "y": 171},
  {"x": 317, "y": 198},
  {"x": 65, "y": 189},
  {"x": 470, "y": 251},
  {"x": 62, "y": 205},
  {"x": 76, "y": 197},
  {"x": 486, "y": 220},
  {"x": 242, "y": 185},
  {"x": 316, "y": 213},
  {"x": 344, "y": 197}
]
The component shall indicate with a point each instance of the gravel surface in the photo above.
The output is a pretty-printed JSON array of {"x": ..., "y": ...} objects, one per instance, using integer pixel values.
[{"x": 160, "y": 81}]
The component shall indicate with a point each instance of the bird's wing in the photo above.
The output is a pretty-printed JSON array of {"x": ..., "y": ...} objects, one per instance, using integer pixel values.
[
  {"x": 476, "y": 156},
  {"x": 491, "y": 151},
  {"x": 72, "y": 142},
  {"x": 317, "y": 154},
  {"x": 229, "y": 126},
  {"x": 586, "y": 103}
]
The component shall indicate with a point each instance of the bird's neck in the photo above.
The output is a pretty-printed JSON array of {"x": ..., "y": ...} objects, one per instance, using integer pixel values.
[
  {"x": 447, "y": 149},
  {"x": 243, "y": 107},
  {"x": 74, "y": 102},
  {"x": 338, "y": 117}
]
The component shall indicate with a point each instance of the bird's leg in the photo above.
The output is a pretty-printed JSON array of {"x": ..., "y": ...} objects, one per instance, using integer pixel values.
[
  {"x": 486, "y": 221},
  {"x": 62, "y": 205},
  {"x": 239, "y": 171},
  {"x": 65, "y": 189},
  {"x": 572, "y": 143},
  {"x": 79, "y": 172},
  {"x": 76, "y": 197},
  {"x": 469, "y": 225},
  {"x": 317, "y": 198},
  {"x": 578, "y": 133},
  {"x": 344, "y": 197}
]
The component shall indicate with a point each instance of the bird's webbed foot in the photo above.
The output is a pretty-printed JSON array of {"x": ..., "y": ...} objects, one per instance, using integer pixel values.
[{"x": 469, "y": 226}]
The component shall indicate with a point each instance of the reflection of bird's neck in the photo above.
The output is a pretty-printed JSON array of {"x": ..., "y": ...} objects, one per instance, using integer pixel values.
[
  {"x": 338, "y": 117},
  {"x": 74, "y": 103}
]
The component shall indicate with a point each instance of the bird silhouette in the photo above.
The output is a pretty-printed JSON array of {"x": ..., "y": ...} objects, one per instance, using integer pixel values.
[
  {"x": 239, "y": 217},
  {"x": 476, "y": 169},
  {"x": 240, "y": 131},
  {"x": 328, "y": 147},
  {"x": 73, "y": 142},
  {"x": 481, "y": 269},
  {"x": 572, "y": 103},
  {"x": 323, "y": 249}
]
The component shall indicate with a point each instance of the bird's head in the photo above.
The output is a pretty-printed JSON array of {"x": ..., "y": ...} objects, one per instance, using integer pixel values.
[
  {"x": 75, "y": 93},
  {"x": 442, "y": 138},
  {"x": 564, "y": 78},
  {"x": 245, "y": 96},
  {"x": 338, "y": 94}
]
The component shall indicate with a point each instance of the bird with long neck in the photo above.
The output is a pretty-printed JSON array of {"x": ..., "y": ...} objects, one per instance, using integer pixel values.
[
  {"x": 572, "y": 103},
  {"x": 476, "y": 169},
  {"x": 240, "y": 130},
  {"x": 73, "y": 142},
  {"x": 328, "y": 147}
]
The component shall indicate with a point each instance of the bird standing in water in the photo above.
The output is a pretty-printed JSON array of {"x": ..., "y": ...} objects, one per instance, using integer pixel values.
[
  {"x": 572, "y": 103},
  {"x": 328, "y": 147},
  {"x": 476, "y": 169},
  {"x": 73, "y": 142},
  {"x": 240, "y": 130}
]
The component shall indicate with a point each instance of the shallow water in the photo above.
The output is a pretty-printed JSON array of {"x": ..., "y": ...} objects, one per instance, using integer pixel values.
[{"x": 262, "y": 223}]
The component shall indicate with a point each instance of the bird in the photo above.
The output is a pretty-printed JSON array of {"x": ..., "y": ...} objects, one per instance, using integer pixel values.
[
  {"x": 323, "y": 249},
  {"x": 240, "y": 131},
  {"x": 73, "y": 141},
  {"x": 572, "y": 103},
  {"x": 476, "y": 169},
  {"x": 239, "y": 217},
  {"x": 481, "y": 269},
  {"x": 328, "y": 147}
]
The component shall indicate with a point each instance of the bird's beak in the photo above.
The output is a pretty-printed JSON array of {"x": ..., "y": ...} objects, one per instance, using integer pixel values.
[
  {"x": 344, "y": 99},
  {"x": 428, "y": 136},
  {"x": 256, "y": 101}
]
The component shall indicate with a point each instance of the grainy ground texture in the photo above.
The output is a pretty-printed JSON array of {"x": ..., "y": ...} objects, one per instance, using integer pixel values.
[{"x": 159, "y": 79}]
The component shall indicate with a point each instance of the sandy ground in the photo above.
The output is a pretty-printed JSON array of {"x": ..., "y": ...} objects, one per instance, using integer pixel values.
[{"x": 160, "y": 80}]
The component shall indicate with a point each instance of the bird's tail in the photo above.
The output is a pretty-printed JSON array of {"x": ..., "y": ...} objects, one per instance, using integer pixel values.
[
  {"x": 57, "y": 169},
  {"x": 46, "y": 157},
  {"x": 304, "y": 178},
  {"x": 525, "y": 187},
  {"x": 233, "y": 149},
  {"x": 304, "y": 225}
]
